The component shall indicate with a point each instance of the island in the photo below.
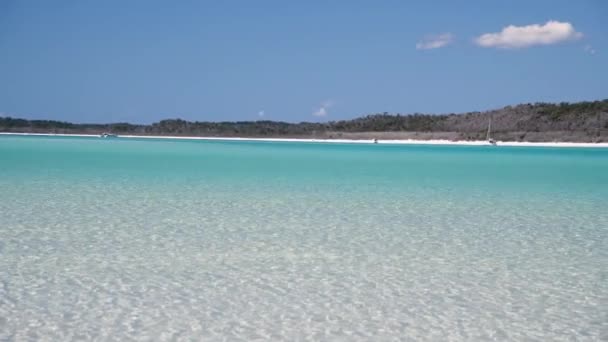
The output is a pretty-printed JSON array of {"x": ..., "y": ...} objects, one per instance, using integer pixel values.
[{"x": 584, "y": 122}]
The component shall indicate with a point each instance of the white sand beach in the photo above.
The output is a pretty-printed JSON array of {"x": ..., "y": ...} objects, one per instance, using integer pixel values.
[{"x": 343, "y": 141}]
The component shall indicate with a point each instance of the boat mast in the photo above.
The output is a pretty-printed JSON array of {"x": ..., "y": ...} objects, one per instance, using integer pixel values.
[{"x": 489, "y": 128}]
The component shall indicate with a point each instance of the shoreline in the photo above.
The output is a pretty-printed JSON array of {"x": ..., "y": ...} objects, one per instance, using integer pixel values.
[{"x": 341, "y": 141}]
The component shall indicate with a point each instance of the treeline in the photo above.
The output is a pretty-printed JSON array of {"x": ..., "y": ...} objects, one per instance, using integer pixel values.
[{"x": 585, "y": 121}]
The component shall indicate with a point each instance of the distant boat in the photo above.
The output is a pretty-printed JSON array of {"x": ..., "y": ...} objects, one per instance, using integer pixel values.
[
  {"x": 108, "y": 135},
  {"x": 490, "y": 140}
]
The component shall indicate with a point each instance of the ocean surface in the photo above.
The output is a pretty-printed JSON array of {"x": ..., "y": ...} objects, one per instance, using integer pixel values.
[{"x": 135, "y": 239}]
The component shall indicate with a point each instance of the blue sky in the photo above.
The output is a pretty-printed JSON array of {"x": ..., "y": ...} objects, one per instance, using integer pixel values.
[{"x": 141, "y": 61}]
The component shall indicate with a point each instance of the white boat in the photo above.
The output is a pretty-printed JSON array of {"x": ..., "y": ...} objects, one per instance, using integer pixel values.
[{"x": 108, "y": 135}]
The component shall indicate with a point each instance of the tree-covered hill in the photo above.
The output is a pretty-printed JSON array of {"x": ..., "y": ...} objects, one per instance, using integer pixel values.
[{"x": 581, "y": 121}]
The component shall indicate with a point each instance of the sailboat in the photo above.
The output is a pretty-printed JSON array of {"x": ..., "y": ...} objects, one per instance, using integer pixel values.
[
  {"x": 490, "y": 140},
  {"x": 108, "y": 135}
]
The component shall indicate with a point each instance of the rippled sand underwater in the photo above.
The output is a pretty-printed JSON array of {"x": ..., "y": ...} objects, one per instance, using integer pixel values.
[{"x": 169, "y": 240}]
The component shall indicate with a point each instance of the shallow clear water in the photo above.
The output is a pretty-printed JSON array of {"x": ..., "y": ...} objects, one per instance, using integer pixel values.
[{"x": 125, "y": 239}]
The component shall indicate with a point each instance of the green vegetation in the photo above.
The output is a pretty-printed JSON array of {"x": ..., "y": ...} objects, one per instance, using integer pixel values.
[{"x": 581, "y": 121}]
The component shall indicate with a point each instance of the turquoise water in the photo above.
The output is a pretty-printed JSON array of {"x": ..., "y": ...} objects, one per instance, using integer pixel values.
[{"x": 120, "y": 239}]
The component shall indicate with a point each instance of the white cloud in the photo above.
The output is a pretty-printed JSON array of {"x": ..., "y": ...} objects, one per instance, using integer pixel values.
[
  {"x": 323, "y": 110},
  {"x": 261, "y": 113},
  {"x": 320, "y": 112},
  {"x": 589, "y": 49},
  {"x": 435, "y": 41},
  {"x": 513, "y": 37}
]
